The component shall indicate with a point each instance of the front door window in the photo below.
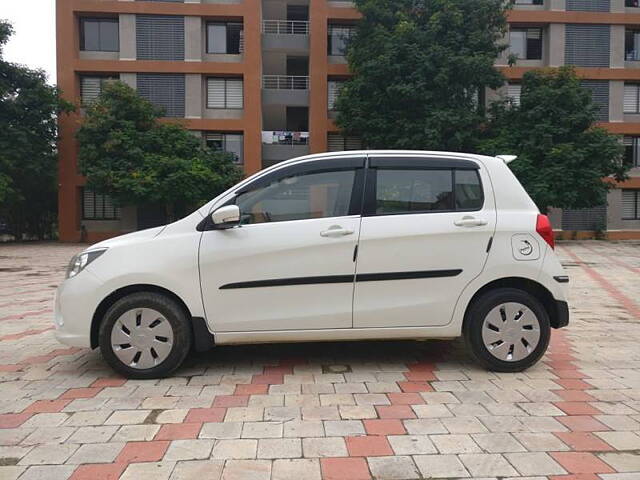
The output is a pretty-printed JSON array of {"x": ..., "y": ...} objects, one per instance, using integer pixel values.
[{"x": 299, "y": 197}]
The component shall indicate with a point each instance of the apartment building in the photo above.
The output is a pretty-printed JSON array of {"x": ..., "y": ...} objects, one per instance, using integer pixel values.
[{"x": 259, "y": 79}]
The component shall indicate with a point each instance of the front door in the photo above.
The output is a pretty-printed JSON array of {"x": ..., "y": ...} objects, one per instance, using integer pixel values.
[
  {"x": 425, "y": 230},
  {"x": 290, "y": 265}
]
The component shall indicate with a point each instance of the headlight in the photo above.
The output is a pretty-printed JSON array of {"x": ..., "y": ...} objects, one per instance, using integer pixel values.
[{"x": 80, "y": 261}]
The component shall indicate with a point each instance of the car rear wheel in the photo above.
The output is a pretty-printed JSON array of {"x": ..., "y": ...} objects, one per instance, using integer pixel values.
[
  {"x": 507, "y": 330},
  {"x": 145, "y": 335}
]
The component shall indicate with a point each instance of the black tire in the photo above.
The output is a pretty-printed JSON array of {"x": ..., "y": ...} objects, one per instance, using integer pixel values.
[
  {"x": 175, "y": 315},
  {"x": 476, "y": 315}
]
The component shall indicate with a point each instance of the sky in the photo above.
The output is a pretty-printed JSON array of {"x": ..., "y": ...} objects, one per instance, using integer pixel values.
[{"x": 34, "y": 41}]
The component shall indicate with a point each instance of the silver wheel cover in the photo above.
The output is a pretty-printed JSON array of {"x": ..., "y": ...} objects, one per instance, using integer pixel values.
[
  {"x": 142, "y": 338},
  {"x": 511, "y": 332}
]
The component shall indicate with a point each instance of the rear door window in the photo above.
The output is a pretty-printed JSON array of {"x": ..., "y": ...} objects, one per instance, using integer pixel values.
[{"x": 407, "y": 189}]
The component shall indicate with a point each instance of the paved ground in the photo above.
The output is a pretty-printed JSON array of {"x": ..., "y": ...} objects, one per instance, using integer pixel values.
[{"x": 397, "y": 410}]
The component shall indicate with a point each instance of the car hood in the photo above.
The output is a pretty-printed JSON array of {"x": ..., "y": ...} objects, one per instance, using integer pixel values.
[{"x": 128, "y": 238}]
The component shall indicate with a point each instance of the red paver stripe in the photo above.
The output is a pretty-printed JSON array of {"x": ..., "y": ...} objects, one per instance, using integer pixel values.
[
  {"x": 26, "y": 333},
  {"x": 202, "y": 415},
  {"x": 87, "y": 392},
  {"x": 581, "y": 462},
  {"x": 20, "y": 316},
  {"x": 109, "y": 382},
  {"x": 368, "y": 446},
  {"x": 135, "y": 452},
  {"x": 625, "y": 301},
  {"x": 384, "y": 427},
  {"x": 577, "y": 408},
  {"x": 13, "y": 420},
  {"x": 47, "y": 406},
  {"x": 231, "y": 401},
  {"x": 105, "y": 471},
  {"x": 583, "y": 441},
  {"x": 344, "y": 469},
  {"x": 178, "y": 431},
  {"x": 611, "y": 259}
]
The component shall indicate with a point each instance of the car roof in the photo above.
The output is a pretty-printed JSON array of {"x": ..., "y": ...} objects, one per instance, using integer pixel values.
[{"x": 428, "y": 153}]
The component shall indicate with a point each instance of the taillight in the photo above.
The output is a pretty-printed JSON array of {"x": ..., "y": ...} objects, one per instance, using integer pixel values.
[{"x": 545, "y": 230}]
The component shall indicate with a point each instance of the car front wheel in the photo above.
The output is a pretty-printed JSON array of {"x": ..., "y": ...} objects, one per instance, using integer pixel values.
[
  {"x": 507, "y": 330},
  {"x": 145, "y": 335}
]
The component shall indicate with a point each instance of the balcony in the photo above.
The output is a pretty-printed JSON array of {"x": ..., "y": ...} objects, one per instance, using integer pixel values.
[
  {"x": 290, "y": 90},
  {"x": 278, "y": 146},
  {"x": 285, "y": 35}
]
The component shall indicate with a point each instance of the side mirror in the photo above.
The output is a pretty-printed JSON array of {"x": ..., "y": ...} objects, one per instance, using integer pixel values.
[{"x": 226, "y": 217}]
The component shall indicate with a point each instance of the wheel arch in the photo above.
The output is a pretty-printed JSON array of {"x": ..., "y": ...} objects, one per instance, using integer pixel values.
[
  {"x": 200, "y": 331},
  {"x": 542, "y": 294}
]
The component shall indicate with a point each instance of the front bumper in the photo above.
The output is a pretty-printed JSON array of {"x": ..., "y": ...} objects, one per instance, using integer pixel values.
[{"x": 74, "y": 304}]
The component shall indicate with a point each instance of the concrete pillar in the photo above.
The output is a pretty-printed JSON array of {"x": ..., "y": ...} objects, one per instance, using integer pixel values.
[
  {"x": 128, "y": 50},
  {"x": 556, "y": 44},
  {"x": 193, "y": 39},
  {"x": 614, "y": 210},
  {"x": 616, "y": 101},
  {"x": 130, "y": 79},
  {"x": 557, "y": 4},
  {"x": 193, "y": 96},
  {"x": 617, "y": 46},
  {"x": 617, "y": 6}
]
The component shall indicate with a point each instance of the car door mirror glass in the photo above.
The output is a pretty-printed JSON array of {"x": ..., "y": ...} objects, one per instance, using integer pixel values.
[{"x": 226, "y": 217}]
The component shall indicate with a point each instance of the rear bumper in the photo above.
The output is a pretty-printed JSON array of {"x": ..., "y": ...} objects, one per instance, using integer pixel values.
[{"x": 562, "y": 315}]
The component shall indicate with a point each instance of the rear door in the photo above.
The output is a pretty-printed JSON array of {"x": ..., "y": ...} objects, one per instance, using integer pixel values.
[{"x": 426, "y": 226}]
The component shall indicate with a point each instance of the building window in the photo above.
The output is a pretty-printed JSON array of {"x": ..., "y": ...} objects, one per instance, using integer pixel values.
[
  {"x": 339, "y": 37},
  {"x": 526, "y": 43},
  {"x": 227, "y": 142},
  {"x": 631, "y": 204},
  {"x": 225, "y": 38},
  {"x": 225, "y": 93},
  {"x": 527, "y": 2},
  {"x": 631, "y": 98},
  {"x": 339, "y": 143},
  {"x": 91, "y": 88},
  {"x": 632, "y": 45},
  {"x": 96, "y": 206},
  {"x": 632, "y": 151},
  {"x": 514, "y": 93},
  {"x": 333, "y": 92},
  {"x": 165, "y": 90},
  {"x": 99, "y": 34},
  {"x": 632, "y": 3}
]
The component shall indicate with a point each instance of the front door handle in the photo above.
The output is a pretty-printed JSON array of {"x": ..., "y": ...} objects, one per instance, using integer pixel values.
[
  {"x": 335, "y": 231},
  {"x": 469, "y": 221}
]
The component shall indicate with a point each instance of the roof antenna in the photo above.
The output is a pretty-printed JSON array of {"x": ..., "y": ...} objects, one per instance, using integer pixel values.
[{"x": 507, "y": 159}]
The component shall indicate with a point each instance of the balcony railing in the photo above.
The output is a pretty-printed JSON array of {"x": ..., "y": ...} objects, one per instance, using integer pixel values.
[
  {"x": 285, "y": 82},
  {"x": 285, "y": 27},
  {"x": 277, "y": 137}
]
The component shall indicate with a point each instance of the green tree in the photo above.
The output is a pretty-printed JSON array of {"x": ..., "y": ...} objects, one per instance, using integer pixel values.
[
  {"x": 128, "y": 154},
  {"x": 563, "y": 158},
  {"x": 28, "y": 156},
  {"x": 418, "y": 67}
]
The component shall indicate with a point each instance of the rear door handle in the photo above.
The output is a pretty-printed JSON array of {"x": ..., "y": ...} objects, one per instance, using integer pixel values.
[
  {"x": 335, "y": 231},
  {"x": 469, "y": 221}
]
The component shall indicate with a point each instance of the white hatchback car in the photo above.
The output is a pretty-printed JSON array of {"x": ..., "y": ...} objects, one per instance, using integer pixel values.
[{"x": 338, "y": 246}]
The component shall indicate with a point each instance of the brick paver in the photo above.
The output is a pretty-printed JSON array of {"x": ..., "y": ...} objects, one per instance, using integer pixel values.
[{"x": 383, "y": 410}]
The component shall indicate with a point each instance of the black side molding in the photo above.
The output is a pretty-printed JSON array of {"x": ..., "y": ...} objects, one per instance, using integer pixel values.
[
  {"x": 562, "y": 279},
  {"x": 202, "y": 338},
  {"x": 361, "y": 277}
]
